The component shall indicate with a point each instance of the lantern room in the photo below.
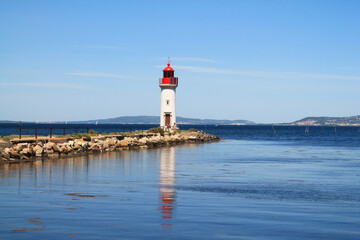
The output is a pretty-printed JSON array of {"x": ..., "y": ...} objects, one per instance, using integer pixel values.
[{"x": 168, "y": 78}]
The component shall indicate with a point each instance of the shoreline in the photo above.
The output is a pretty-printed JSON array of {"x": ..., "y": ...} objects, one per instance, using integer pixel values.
[{"x": 53, "y": 148}]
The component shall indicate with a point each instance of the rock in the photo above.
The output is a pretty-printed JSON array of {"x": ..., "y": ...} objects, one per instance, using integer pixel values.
[
  {"x": 36, "y": 147},
  {"x": 49, "y": 145},
  {"x": 6, "y": 155},
  {"x": 68, "y": 148},
  {"x": 111, "y": 148},
  {"x": 192, "y": 137},
  {"x": 39, "y": 151},
  {"x": 22, "y": 156},
  {"x": 55, "y": 148},
  {"x": 111, "y": 141},
  {"x": 20, "y": 146},
  {"x": 155, "y": 139},
  {"x": 81, "y": 143},
  {"x": 26, "y": 151},
  {"x": 76, "y": 146},
  {"x": 122, "y": 143},
  {"x": 49, "y": 151},
  {"x": 100, "y": 144},
  {"x": 129, "y": 139},
  {"x": 6, "y": 150},
  {"x": 105, "y": 144},
  {"x": 63, "y": 149},
  {"x": 96, "y": 147},
  {"x": 175, "y": 138},
  {"x": 143, "y": 140},
  {"x": 14, "y": 154}
]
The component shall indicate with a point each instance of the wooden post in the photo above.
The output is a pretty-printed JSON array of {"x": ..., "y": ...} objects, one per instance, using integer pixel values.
[
  {"x": 50, "y": 132},
  {"x": 35, "y": 133},
  {"x": 19, "y": 133},
  {"x": 64, "y": 131},
  {"x": 87, "y": 130},
  {"x": 76, "y": 129}
]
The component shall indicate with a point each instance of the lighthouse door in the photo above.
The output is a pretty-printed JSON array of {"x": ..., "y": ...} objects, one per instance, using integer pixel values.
[{"x": 167, "y": 119}]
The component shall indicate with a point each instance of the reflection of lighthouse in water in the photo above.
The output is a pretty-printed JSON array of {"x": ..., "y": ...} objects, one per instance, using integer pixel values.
[{"x": 167, "y": 183}]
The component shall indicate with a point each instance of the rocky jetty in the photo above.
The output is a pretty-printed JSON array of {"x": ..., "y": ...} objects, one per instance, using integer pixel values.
[{"x": 53, "y": 148}]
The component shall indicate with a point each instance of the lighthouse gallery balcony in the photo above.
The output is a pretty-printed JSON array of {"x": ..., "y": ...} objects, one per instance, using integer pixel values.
[{"x": 168, "y": 81}]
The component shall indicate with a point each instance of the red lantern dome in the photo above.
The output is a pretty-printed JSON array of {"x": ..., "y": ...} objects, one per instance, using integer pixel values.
[
  {"x": 168, "y": 78},
  {"x": 168, "y": 68}
]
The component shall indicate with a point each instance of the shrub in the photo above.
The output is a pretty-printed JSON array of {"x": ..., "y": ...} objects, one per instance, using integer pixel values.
[
  {"x": 157, "y": 130},
  {"x": 110, "y": 133},
  {"x": 92, "y": 132},
  {"x": 87, "y": 137},
  {"x": 76, "y": 135}
]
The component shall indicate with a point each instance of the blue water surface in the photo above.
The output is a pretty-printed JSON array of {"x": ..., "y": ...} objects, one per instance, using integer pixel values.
[{"x": 260, "y": 182}]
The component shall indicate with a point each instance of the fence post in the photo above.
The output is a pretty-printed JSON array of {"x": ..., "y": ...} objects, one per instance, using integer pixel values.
[
  {"x": 76, "y": 130},
  {"x": 35, "y": 133},
  {"x": 130, "y": 129},
  {"x": 87, "y": 130},
  {"x": 19, "y": 133},
  {"x": 50, "y": 132},
  {"x": 64, "y": 131}
]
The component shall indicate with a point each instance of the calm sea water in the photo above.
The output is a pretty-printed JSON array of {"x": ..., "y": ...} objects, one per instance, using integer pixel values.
[{"x": 260, "y": 182}]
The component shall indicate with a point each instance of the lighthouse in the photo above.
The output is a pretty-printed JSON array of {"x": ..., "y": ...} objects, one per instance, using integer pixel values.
[{"x": 168, "y": 84}]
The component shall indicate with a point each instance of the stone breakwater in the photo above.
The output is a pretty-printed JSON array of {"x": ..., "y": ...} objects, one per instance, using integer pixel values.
[{"x": 27, "y": 150}]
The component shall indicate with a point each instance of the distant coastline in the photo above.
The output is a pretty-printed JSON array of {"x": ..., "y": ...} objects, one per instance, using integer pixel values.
[
  {"x": 308, "y": 121},
  {"x": 146, "y": 120},
  {"x": 328, "y": 121}
]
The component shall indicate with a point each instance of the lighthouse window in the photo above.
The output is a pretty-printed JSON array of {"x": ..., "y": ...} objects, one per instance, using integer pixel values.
[{"x": 167, "y": 102}]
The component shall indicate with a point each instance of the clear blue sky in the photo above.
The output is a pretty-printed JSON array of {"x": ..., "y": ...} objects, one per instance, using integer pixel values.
[{"x": 265, "y": 61}]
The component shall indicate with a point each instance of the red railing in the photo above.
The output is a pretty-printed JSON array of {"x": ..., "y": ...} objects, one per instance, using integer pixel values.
[{"x": 172, "y": 81}]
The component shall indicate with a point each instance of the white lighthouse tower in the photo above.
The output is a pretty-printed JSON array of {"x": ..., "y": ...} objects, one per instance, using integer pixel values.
[{"x": 168, "y": 84}]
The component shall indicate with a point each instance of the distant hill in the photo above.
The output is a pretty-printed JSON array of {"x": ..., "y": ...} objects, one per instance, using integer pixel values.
[
  {"x": 156, "y": 120},
  {"x": 6, "y": 121},
  {"x": 344, "y": 121}
]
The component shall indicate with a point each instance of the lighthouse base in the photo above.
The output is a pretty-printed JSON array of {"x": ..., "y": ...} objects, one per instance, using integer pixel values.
[{"x": 168, "y": 121}]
